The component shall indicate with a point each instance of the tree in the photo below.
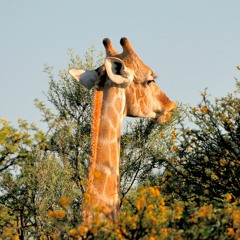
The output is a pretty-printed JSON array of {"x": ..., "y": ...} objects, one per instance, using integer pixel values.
[
  {"x": 19, "y": 149},
  {"x": 205, "y": 164},
  {"x": 40, "y": 167},
  {"x": 178, "y": 180}
]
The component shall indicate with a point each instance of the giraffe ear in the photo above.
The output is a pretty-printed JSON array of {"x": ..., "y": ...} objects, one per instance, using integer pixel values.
[
  {"x": 86, "y": 78},
  {"x": 117, "y": 71}
]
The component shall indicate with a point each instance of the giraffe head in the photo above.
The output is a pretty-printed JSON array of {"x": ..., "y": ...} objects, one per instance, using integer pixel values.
[{"x": 126, "y": 70}]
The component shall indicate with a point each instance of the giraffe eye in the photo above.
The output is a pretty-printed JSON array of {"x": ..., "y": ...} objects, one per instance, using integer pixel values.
[{"x": 150, "y": 81}]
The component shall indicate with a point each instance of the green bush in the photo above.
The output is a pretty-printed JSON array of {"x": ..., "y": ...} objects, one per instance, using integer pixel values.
[{"x": 178, "y": 181}]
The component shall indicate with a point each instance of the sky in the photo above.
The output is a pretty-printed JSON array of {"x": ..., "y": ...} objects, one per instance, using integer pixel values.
[{"x": 189, "y": 44}]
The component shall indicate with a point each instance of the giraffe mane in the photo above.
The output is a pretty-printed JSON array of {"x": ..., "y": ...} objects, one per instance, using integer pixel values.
[
  {"x": 97, "y": 107},
  {"x": 96, "y": 113}
]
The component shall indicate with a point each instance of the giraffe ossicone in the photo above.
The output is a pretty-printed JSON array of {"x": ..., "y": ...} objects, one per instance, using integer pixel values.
[{"x": 124, "y": 86}]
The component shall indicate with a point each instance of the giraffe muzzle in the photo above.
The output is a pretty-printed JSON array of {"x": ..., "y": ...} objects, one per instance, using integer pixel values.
[{"x": 166, "y": 114}]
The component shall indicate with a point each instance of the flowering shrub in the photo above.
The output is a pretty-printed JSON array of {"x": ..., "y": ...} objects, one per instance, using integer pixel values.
[
  {"x": 204, "y": 163},
  {"x": 147, "y": 216},
  {"x": 178, "y": 181}
]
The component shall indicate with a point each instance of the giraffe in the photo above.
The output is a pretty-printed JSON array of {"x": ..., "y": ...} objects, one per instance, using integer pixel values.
[{"x": 124, "y": 86}]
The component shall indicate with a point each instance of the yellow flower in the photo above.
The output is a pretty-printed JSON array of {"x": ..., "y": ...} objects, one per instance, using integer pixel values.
[
  {"x": 54, "y": 235},
  {"x": 61, "y": 214},
  {"x": 223, "y": 162},
  {"x": 228, "y": 196},
  {"x": 64, "y": 202},
  {"x": 204, "y": 110},
  {"x": 17, "y": 136},
  {"x": 178, "y": 213},
  {"x": 164, "y": 212},
  {"x": 57, "y": 214},
  {"x": 236, "y": 217},
  {"x": 162, "y": 209},
  {"x": 155, "y": 192},
  {"x": 73, "y": 232},
  {"x": 82, "y": 230},
  {"x": 223, "y": 117},
  {"x": 133, "y": 225},
  {"x": 230, "y": 232},
  {"x": 152, "y": 238},
  {"x": 51, "y": 213},
  {"x": 175, "y": 148},
  {"x": 128, "y": 219},
  {"x": 9, "y": 231},
  {"x": 150, "y": 207},
  {"x": 164, "y": 232},
  {"x": 174, "y": 136},
  {"x": 205, "y": 211},
  {"x": 162, "y": 134},
  {"x": 140, "y": 202}
]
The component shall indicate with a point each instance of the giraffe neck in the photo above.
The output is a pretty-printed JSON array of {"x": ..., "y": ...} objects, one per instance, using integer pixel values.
[{"x": 103, "y": 188}]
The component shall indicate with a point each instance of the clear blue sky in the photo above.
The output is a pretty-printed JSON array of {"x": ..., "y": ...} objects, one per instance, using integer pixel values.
[{"x": 190, "y": 44}]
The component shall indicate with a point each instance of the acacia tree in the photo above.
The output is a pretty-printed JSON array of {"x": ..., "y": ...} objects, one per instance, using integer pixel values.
[
  {"x": 205, "y": 158},
  {"x": 44, "y": 173},
  {"x": 32, "y": 184},
  {"x": 39, "y": 167}
]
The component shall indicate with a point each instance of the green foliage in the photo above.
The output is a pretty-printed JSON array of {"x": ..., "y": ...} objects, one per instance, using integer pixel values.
[
  {"x": 70, "y": 137},
  {"x": 140, "y": 152},
  {"x": 205, "y": 165},
  {"x": 30, "y": 185},
  {"x": 39, "y": 167},
  {"x": 178, "y": 181}
]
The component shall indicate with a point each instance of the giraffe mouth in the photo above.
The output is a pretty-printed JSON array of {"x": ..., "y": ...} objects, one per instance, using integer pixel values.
[{"x": 165, "y": 116}]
